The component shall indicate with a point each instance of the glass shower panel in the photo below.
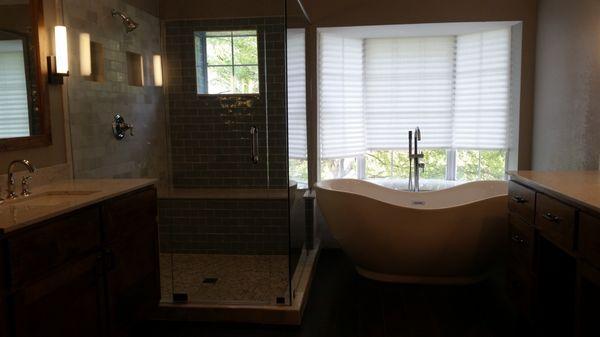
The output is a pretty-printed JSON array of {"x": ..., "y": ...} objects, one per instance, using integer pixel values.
[
  {"x": 300, "y": 244},
  {"x": 227, "y": 209}
]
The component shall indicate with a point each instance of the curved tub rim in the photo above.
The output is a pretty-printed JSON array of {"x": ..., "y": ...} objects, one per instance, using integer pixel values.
[
  {"x": 319, "y": 185},
  {"x": 416, "y": 279}
]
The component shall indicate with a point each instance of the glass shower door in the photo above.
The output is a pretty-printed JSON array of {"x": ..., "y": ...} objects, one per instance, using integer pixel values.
[{"x": 227, "y": 215}]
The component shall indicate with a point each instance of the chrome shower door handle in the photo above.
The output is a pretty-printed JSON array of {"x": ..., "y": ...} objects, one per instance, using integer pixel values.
[{"x": 254, "y": 150}]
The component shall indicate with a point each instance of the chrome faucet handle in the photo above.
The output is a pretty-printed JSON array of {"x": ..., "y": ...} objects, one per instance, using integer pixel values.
[
  {"x": 25, "y": 187},
  {"x": 10, "y": 192},
  {"x": 422, "y": 167}
]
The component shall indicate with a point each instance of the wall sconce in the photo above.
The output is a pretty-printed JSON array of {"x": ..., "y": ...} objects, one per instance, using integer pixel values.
[
  {"x": 58, "y": 65},
  {"x": 85, "y": 54},
  {"x": 158, "y": 76}
]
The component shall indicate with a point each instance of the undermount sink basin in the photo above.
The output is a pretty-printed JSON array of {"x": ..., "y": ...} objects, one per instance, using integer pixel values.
[{"x": 49, "y": 198}]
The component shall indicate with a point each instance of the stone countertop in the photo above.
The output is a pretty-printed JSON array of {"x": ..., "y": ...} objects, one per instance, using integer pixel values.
[
  {"x": 581, "y": 188},
  {"x": 62, "y": 197}
]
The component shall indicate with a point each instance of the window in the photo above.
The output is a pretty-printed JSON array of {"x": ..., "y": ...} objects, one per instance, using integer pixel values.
[
  {"x": 227, "y": 62},
  {"x": 14, "y": 111},
  {"x": 373, "y": 90},
  {"x": 296, "y": 94}
]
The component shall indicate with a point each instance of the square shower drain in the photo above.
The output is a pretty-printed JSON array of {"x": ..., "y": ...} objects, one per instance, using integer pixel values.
[{"x": 210, "y": 280}]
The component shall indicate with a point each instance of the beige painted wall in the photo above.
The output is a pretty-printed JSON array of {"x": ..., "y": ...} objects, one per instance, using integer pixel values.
[
  {"x": 567, "y": 97},
  {"x": 333, "y": 13},
  {"x": 150, "y": 6},
  {"x": 194, "y": 9}
]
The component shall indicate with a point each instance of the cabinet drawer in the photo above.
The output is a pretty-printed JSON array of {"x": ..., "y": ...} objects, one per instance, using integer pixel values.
[
  {"x": 521, "y": 236},
  {"x": 129, "y": 214},
  {"x": 35, "y": 251},
  {"x": 589, "y": 238},
  {"x": 556, "y": 221},
  {"x": 521, "y": 201},
  {"x": 3, "y": 269}
]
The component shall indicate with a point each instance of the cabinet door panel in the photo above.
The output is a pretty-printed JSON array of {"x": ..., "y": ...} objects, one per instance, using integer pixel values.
[
  {"x": 588, "y": 303},
  {"x": 133, "y": 280},
  {"x": 126, "y": 215},
  {"x": 589, "y": 238},
  {"x": 68, "y": 303}
]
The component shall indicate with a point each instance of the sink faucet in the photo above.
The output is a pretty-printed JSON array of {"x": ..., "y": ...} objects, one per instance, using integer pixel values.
[
  {"x": 11, "y": 176},
  {"x": 414, "y": 158}
]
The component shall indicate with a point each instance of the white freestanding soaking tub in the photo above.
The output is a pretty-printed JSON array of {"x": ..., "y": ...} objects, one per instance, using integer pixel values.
[{"x": 451, "y": 236}]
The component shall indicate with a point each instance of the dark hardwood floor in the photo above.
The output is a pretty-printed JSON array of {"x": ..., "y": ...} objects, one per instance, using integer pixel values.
[{"x": 344, "y": 304}]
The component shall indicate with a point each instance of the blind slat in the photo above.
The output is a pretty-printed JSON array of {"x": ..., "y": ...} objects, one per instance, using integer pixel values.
[{"x": 14, "y": 109}]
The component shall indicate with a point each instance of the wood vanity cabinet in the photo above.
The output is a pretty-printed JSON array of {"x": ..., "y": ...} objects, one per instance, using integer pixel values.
[
  {"x": 554, "y": 262},
  {"x": 88, "y": 273},
  {"x": 3, "y": 293}
]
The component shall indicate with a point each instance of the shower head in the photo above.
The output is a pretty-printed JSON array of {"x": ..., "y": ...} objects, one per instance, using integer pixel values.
[{"x": 130, "y": 25}]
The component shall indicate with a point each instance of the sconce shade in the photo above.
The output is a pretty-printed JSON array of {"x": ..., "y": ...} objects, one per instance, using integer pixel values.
[
  {"x": 61, "y": 50},
  {"x": 85, "y": 54},
  {"x": 158, "y": 76}
]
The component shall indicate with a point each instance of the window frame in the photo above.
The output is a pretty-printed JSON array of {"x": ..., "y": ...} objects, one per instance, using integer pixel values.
[
  {"x": 205, "y": 65},
  {"x": 451, "y": 164}
]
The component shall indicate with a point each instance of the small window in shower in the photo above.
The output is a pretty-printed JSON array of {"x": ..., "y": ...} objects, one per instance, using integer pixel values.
[{"x": 227, "y": 62}]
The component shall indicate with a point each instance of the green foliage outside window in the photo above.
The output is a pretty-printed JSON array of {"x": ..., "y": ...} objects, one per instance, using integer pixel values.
[
  {"x": 474, "y": 165},
  {"x": 395, "y": 164}
]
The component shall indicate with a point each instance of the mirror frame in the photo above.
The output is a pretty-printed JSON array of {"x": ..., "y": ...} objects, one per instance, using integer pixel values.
[{"x": 40, "y": 40}]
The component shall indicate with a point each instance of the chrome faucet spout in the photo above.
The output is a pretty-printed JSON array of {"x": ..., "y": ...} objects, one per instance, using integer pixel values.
[
  {"x": 11, "y": 175},
  {"x": 414, "y": 157}
]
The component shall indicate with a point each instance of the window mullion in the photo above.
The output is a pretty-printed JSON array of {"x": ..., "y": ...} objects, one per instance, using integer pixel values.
[
  {"x": 451, "y": 164},
  {"x": 360, "y": 167}
]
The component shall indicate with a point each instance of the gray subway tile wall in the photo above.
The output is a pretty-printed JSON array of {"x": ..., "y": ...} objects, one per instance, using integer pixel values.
[
  {"x": 210, "y": 147},
  {"x": 210, "y": 135},
  {"x": 210, "y": 226}
]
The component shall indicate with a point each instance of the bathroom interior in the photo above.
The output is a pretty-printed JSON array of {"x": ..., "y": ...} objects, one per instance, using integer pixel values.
[{"x": 299, "y": 168}]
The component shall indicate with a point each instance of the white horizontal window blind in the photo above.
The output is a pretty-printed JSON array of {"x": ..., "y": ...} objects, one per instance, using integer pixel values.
[
  {"x": 409, "y": 83},
  {"x": 14, "y": 109},
  {"x": 296, "y": 92},
  {"x": 341, "y": 111},
  {"x": 482, "y": 93},
  {"x": 455, "y": 88}
]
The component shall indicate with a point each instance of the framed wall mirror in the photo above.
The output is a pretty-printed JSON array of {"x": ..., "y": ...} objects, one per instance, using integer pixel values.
[{"x": 24, "y": 113}]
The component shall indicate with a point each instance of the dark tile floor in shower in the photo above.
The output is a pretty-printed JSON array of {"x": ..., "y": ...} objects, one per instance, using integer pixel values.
[{"x": 342, "y": 303}]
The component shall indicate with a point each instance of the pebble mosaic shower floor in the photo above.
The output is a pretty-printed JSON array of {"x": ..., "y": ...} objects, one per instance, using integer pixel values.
[{"x": 225, "y": 279}]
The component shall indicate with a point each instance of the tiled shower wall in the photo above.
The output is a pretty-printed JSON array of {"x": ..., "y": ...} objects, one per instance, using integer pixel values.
[
  {"x": 210, "y": 135},
  {"x": 92, "y": 105},
  {"x": 210, "y": 148},
  {"x": 208, "y": 226}
]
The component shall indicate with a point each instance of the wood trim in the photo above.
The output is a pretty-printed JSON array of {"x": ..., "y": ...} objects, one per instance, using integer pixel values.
[
  {"x": 312, "y": 117},
  {"x": 39, "y": 38}
]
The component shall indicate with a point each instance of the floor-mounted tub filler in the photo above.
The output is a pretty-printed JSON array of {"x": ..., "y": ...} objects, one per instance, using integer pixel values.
[{"x": 450, "y": 236}]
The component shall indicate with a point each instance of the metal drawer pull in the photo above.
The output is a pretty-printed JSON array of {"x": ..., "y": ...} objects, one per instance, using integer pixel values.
[
  {"x": 518, "y": 199},
  {"x": 254, "y": 151},
  {"x": 516, "y": 238},
  {"x": 551, "y": 217}
]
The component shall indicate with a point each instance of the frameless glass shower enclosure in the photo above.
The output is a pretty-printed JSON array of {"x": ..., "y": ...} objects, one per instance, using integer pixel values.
[{"x": 225, "y": 220}]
